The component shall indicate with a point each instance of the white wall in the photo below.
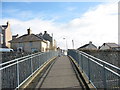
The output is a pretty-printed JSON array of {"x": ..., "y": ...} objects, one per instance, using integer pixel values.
[
  {"x": 90, "y": 46},
  {"x": 48, "y": 44},
  {"x": 43, "y": 46},
  {"x": 8, "y": 35},
  {"x": 104, "y": 47}
]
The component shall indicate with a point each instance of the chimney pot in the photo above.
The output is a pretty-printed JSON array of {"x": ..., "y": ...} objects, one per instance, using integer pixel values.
[
  {"x": 29, "y": 31},
  {"x": 90, "y": 42},
  {"x": 7, "y": 23},
  {"x": 45, "y": 32}
]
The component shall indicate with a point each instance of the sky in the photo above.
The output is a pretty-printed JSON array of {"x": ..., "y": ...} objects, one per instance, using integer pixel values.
[{"x": 78, "y": 21}]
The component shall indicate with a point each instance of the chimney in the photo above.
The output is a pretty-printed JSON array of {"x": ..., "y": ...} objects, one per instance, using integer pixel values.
[
  {"x": 8, "y": 23},
  {"x": 29, "y": 31},
  {"x": 45, "y": 32},
  {"x": 90, "y": 42},
  {"x": 40, "y": 34}
]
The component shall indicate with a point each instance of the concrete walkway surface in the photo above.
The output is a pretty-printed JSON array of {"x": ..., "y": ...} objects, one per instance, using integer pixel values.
[{"x": 61, "y": 75}]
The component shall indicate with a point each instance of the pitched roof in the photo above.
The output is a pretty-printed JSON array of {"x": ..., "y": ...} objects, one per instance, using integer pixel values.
[
  {"x": 27, "y": 38},
  {"x": 40, "y": 36},
  {"x": 4, "y": 26},
  {"x": 86, "y": 46},
  {"x": 112, "y": 45},
  {"x": 46, "y": 36}
]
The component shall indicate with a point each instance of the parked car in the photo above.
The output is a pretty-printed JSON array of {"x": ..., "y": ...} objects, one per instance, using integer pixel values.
[{"x": 5, "y": 50}]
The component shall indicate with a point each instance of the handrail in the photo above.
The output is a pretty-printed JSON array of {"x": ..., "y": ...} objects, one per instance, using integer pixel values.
[
  {"x": 18, "y": 59},
  {"x": 102, "y": 74},
  {"x": 100, "y": 60},
  {"x": 18, "y": 70},
  {"x": 105, "y": 67},
  {"x": 102, "y": 65}
]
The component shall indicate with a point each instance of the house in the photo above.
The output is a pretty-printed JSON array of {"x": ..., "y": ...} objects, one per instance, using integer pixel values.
[
  {"x": 15, "y": 36},
  {"x": 54, "y": 47},
  {"x": 5, "y": 35},
  {"x": 109, "y": 46},
  {"x": 47, "y": 37},
  {"x": 29, "y": 43},
  {"x": 88, "y": 46}
]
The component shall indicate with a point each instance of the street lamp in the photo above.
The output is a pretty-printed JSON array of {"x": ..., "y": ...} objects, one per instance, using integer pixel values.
[
  {"x": 66, "y": 44},
  {"x": 73, "y": 43}
]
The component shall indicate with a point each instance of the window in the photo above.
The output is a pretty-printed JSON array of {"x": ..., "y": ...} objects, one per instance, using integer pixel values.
[
  {"x": 30, "y": 44},
  {"x": 20, "y": 44},
  {"x": 42, "y": 49},
  {"x": 34, "y": 49},
  {"x": 1, "y": 37}
]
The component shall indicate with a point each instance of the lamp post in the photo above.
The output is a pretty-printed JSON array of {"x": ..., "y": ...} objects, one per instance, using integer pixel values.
[
  {"x": 73, "y": 43},
  {"x": 66, "y": 43}
]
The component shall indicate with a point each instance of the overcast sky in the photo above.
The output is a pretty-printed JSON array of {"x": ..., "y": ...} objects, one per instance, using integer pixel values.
[{"x": 78, "y": 21}]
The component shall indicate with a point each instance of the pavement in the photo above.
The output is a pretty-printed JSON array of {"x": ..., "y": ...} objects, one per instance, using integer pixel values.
[{"x": 61, "y": 75}]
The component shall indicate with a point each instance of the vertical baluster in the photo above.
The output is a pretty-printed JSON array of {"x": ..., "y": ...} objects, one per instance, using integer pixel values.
[
  {"x": 31, "y": 58},
  {"x": 104, "y": 78},
  {"x": 18, "y": 73},
  {"x": 89, "y": 69},
  {"x": 82, "y": 62}
]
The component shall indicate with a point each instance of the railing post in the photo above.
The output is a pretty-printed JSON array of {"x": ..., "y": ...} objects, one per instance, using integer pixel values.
[
  {"x": 89, "y": 69},
  {"x": 39, "y": 61},
  {"x": 78, "y": 59},
  {"x": 18, "y": 77},
  {"x": 104, "y": 78},
  {"x": 76, "y": 56},
  {"x": 31, "y": 64},
  {"x": 82, "y": 62}
]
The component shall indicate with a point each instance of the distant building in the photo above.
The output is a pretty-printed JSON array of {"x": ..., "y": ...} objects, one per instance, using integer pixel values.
[
  {"x": 15, "y": 36},
  {"x": 88, "y": 46},
  {"x": 29, "y": 43},
  {"x": 5, "y": 35},
  {"x": 47, "y": 37},
  {"x": 109, "y": 46},
  {"x": 54, "y": 47}
]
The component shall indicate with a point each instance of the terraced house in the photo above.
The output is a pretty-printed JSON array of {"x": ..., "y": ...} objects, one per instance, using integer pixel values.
[
  {"x": 31, "y": 43},
  {"x": 109, "y": 46},
  {"x": 5, "y": 35}
]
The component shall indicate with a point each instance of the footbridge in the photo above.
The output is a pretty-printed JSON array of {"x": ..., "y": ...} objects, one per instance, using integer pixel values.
[{"x": 52, "y": 70}]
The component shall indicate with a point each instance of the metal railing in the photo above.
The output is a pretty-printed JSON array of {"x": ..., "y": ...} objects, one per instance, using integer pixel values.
[
  {"x": 15, "y": 72},
  {"x": 100, "y": 73}
]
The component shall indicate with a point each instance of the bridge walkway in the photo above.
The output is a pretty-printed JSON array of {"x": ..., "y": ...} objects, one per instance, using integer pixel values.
[{"x": 61, "y": 75}]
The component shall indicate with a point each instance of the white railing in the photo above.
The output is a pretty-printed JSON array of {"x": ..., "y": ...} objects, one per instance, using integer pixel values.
[
  {"x": 15, "y": 72},
  {"x": 100, "y": 73}
]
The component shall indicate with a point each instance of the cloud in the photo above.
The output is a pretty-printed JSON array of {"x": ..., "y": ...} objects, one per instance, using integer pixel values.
[
  {"x": 99, "y": 24},
  {"x": 71, "y": 8}
]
